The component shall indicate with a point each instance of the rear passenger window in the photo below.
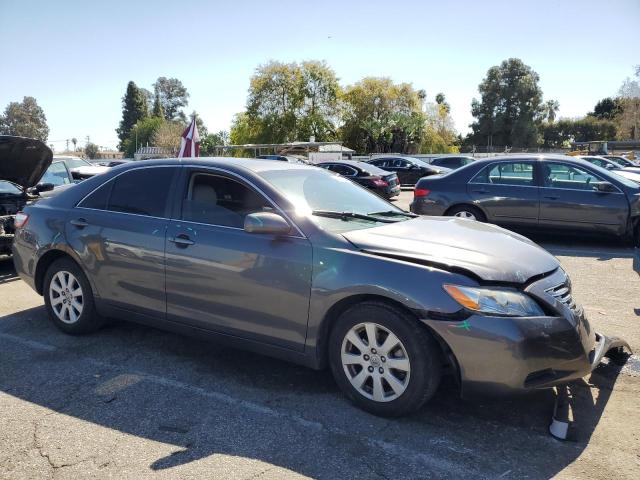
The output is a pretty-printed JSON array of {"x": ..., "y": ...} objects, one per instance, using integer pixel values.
[
  {"x": 143, "y": 191},
  {"x": 99, "y": 198},
  {"x": 507, "y": 173}
]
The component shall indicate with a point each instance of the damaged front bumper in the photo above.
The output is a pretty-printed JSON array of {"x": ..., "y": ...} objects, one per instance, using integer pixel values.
[{"x": 501, "y": 355}]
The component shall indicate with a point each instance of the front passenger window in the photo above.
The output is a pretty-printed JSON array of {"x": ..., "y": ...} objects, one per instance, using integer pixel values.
[
  {"x": 560, "y": 175},
  {"x": 217, "y": 200}
]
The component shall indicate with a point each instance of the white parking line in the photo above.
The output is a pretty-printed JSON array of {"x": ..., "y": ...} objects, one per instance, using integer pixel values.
[{"x": 454, "y": 469}]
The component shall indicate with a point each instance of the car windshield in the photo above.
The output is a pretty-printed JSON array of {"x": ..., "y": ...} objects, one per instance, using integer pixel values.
[
  {"x": 625, "y": 181},
  {"x": 8, "y": 187},
  {"x": 77, "y": 162},
  {"x": 56, "y": 174},
  {"x": 334, "y": 202}
]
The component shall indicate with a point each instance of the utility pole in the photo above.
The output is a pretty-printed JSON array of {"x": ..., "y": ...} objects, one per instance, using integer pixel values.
[{"x": 67, "y": 144}]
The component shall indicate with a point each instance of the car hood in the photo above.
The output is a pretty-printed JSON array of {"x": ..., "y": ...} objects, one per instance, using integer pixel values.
[
  {"x": 488, "y": 252},
  {"x": 23, "y": 161}
]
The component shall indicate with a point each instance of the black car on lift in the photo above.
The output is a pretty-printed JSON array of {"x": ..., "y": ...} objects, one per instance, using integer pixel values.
[
  {"x": 383, "y": 183},
  {"x": 408, "y": 169}
]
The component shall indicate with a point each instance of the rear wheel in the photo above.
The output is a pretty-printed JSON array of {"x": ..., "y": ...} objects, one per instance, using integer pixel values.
[
  {"x": 383, "y": 360},
  {"x": 69, "y": 299},
  {"x": 467, "y": 211}
]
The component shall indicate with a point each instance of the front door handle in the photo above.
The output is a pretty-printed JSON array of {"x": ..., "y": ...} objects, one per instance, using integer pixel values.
[
  {"x": 551, "y": 197},
  {"x": 182, "y": 240},
  {"x": 79, "y": 222},
  {"x": 479, "y": 191}
]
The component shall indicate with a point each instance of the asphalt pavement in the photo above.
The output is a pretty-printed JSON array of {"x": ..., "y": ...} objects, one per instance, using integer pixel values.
[{"x": 136, "y": 402}]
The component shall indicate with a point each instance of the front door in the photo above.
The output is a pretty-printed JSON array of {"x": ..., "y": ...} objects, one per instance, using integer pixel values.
[
  {"x": 221, "y": 278},
  {"x": 119, "y": 233},
  {"x": 569, "y": 200},
  {"x": 507, "y": 192}
]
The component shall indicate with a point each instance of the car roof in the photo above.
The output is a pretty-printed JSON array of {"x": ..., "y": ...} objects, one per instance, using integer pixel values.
[
  {"x": 233, "y": 163},
  {"x": 545, "y": 157},
  {"x": 364, "y": 166}
]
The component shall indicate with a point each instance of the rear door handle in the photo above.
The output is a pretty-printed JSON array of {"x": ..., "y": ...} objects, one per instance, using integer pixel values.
[
  {"x": 550, "y": 197},
  {"x": 182, "y": 240},
  {"x": 479, "y": 191},
  {"x": 79, "y": 222}
]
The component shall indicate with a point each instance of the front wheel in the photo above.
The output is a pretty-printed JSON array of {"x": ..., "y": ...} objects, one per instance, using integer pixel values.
[{"x": 383, "y": 360}]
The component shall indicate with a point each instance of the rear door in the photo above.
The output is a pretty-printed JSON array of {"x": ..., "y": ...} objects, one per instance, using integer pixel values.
[
  {"x": 119, "y": 233},
  {"x": 568, "y": 200},
  {"x": 507, "y": 192}
]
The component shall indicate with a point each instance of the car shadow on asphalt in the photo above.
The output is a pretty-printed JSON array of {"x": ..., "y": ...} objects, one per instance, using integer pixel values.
[{"x": 208, "y": 399}]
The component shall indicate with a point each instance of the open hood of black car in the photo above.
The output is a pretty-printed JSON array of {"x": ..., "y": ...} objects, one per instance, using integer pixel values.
[{"x": 23, "y": 161}]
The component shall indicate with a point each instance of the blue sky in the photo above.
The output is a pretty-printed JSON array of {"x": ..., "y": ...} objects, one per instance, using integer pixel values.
[{"x": 76, "y": 57}]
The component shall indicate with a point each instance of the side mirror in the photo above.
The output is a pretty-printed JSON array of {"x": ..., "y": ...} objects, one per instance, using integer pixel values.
[
  {"x": 609, "y": 166},
  {"x": 266, "y": 222},
  {"x": 604, "y": 187},
  {"x": 41, "y": 187}
]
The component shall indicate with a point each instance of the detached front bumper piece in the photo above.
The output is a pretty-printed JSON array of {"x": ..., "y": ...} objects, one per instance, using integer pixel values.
[{"x": 562, "y": 421}]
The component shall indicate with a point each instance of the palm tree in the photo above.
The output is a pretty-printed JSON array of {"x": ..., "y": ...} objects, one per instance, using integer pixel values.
[
  {"x": 74, "y": 141},
  {"x": 551, "y": 109}
]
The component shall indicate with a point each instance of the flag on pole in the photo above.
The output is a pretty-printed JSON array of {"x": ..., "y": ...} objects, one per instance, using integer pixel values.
[{"x": 190, "y": 144}]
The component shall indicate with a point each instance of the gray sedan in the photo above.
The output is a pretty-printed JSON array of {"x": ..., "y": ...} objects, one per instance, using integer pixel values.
[
  {"x": 295, "y": 262},
  {"x": 524, "y": 191}
]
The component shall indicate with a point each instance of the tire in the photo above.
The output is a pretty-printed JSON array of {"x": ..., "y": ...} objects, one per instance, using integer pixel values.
[
  {"x": 416, "y": 354},
  {"x": 467, "y": 211},
  {"x": 71, "y": 310}
]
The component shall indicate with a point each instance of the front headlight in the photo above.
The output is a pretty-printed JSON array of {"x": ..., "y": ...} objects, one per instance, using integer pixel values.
[{"x": 495, "y": 301}]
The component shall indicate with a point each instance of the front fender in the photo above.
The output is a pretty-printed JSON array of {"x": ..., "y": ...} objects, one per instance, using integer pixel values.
[{"x": 339, "y": 274}]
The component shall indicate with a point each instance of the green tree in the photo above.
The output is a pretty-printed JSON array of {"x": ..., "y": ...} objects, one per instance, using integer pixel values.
[
  {"x": 561, "y": 133},
  {"x": 291, "y": 101},
  {"x": 607, "y": 108},
  {"x": 157, "y": 111},
  {"x": 141, "y": 134},
  {"x": 173, "y": 97},
  {"x": 510, "y": 107},
  {"x": 24, "y": 119},
  {"x": 91, "y": 150},
  {"x": 134, "y": 109},
  {"x": 380, "y": 116},
  {"x": 551, "y": 108},
  {"x": 629, "y": 118},
  {"x": 208, "y": 143}
]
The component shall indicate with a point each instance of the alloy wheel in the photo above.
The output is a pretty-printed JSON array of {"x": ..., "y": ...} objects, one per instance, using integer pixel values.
[
  {"x": 65, "y": 294},
  {"x": 375, "y": 362},
  {"x": 465, "y": 214}
]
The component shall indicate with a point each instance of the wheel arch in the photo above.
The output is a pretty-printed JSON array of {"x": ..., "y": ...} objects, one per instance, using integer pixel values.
[
  {"x": 45, "y": 261},
  {"x": 466, "y": 204},
  {"x": 344, "y": 304}
]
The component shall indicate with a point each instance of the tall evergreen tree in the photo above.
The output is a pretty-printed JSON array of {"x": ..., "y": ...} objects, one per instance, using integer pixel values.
[
  {"x": 134, "y": 108},
  {"x": 510, "y": 108},
  {"x": 158, "y": 111}
]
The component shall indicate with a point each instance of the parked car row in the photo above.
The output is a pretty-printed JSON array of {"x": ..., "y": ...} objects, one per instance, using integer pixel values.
[
  {"x": 555, "y": 192},
  {"x": 382, "y": 182},
  {"x": 293, "y": 261}
]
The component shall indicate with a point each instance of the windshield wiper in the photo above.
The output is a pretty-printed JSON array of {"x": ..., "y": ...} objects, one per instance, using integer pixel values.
[
  {"x": 350, "y": 215},
  {"x": 394, "y": 213}
]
